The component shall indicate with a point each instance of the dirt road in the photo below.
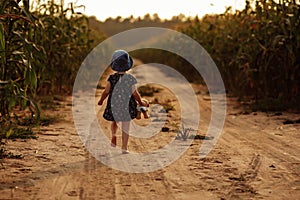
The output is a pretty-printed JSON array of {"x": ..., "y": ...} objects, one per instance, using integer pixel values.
[{"x": 256, "y": 157}]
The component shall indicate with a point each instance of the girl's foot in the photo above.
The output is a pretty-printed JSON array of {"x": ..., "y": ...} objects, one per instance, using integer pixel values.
[
  {"x": 114, "y": 141},
  {"x": 125, "y": 151}
]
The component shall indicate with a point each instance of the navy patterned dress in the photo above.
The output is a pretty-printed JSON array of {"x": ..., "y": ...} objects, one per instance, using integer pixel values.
[{"x": 121, "y": 105}]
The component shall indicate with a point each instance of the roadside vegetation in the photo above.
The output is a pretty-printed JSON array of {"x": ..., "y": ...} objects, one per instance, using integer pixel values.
[
  {"x": 256, "y": 50},
  {"x": 42, "y": 44}
]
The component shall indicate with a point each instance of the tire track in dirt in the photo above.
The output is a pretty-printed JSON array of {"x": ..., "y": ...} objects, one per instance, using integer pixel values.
[
  {"x": 279, "y": 163},
  {"x": 265, "y": 143},
  {"x": 241, "y": 187}
]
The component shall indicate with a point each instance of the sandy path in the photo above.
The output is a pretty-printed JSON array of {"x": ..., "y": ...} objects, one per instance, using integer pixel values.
[{"x": 256, "y": 157}]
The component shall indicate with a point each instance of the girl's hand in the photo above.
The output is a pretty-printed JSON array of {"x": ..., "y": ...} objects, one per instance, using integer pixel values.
[
  {"x": 143, "y": 104},
  {"x": 104, "y": 94}
]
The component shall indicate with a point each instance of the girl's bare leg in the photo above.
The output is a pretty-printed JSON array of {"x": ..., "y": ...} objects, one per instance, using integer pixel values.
[
  {"x": 114, "y": 127},
  {"x": 125, "y": 135}
]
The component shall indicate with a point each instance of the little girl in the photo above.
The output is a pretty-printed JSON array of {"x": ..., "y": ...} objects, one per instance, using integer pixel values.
[{"x": 122, "y": 95}]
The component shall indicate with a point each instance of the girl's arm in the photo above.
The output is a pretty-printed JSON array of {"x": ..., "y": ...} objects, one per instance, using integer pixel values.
[
  {"x": 137, "y": 95},
  {"x": 104, "y": 94}
]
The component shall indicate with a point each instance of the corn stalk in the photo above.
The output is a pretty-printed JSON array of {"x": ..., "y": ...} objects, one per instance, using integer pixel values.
[
  {"x": 66, "y": 40},
  {"x": 18, "y": 78}
]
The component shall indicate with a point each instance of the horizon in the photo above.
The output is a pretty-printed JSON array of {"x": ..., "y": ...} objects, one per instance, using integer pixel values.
[{"x": 165, "y": 9}]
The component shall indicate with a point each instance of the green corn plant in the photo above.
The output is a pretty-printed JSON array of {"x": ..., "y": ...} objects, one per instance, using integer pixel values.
[
  {"x": 66, "y": 40},
  {"x": 18, "y": 78}
]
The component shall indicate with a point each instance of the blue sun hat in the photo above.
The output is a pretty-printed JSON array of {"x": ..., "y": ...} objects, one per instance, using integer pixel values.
[{"x": 121, "y": 61}]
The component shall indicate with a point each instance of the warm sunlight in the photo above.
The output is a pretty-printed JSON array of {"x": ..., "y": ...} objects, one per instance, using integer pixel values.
[
  {"x": 165, "y": 9},
  {"x": 149, "y": 99}
]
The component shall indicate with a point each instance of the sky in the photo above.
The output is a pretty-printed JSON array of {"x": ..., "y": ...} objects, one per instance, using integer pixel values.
[{"x": 165, "y": 9}]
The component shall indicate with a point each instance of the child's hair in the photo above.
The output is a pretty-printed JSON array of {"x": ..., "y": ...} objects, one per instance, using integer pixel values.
[{"x": 121, "y": 61}]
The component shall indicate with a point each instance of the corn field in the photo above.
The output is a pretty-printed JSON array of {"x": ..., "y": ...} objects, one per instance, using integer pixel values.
[
  {"x": 256, "y": 49},
  {"x": 42, "y": 44}
]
